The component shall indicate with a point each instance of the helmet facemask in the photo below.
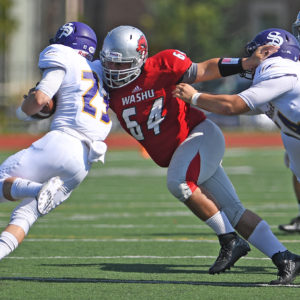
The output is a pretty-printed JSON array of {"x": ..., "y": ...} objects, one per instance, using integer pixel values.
[
  {"x": 116, "y": 77},
  {"x": 123, "y": 55}
]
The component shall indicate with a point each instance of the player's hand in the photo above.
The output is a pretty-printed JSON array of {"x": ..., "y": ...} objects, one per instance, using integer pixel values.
[
  {"x": 184, "y": 91},
  {"x": 260, "y": 54},
  {"x": 31, "y": 92}
]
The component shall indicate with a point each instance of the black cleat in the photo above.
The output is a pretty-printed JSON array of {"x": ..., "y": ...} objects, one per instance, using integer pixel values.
[
  {"x": 232, "y": 248},
  {"x": 288, "y": 265},
  {"x": 294, "y": 226}
]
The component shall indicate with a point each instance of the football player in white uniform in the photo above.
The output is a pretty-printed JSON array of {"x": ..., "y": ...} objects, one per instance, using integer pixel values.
[
  {"x": 276, "y": 92},
  {"x": 294, "y": 225},
  {"x": 45, "y": 174}
]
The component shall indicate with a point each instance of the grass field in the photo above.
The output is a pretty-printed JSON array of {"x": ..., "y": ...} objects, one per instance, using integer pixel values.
[{"x": 122, "y": 235}]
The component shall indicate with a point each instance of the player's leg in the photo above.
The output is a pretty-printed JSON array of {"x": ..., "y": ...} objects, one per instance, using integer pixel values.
[
  {"x": 36, "y": 163},
  {"x": 22, "y": 218},
  {"x": 294, "y": 225},
  {"x": 196, "y": 160},
  {"x": 16, "y": 174},
  {"x": 15, "y": 188},
  {"x": 69, "y": 166},
  {"x": 252, "y": 227}
]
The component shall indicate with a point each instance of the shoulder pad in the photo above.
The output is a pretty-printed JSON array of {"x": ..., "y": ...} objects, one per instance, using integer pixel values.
[{"x": 55, "y": 56}]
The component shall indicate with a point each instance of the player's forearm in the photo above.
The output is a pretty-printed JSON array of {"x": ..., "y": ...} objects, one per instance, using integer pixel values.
[
  {"x": 34, "y": 102},
  {"x": 221, "y": 104},
  {"x": 208, "y": 70},
  {"x": 221, "y": 67}
]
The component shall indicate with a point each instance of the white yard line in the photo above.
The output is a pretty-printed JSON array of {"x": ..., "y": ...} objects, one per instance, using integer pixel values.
[
  {"x": 128, "y": 257},
  {"x": 133, "y": 240},
  {"x": 155, "y": 171}
]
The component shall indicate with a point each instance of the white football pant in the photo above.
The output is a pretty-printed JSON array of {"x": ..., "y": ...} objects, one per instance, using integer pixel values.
[
  {"x": 55, "y": 154},
  {"x": 197, "y": 162}
]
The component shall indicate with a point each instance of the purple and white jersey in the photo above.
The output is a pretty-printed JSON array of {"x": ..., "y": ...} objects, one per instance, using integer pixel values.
[
  {"x": 82, "y": 102},
  {"x": 276, "y": 92}
]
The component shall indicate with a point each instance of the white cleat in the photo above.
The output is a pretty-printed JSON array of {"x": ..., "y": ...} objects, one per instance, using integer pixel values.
[{"x": 45, "y": 197}]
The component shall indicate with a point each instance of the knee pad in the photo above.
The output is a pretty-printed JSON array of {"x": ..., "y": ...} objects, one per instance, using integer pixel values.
[
  {"x": 25, "y": 214},
  {"x": 181, "y": 190}
]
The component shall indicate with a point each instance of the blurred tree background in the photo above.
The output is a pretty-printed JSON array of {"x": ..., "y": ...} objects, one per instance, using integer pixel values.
[
  {"x": 7, "y": 23},
  {"x": 201, "y": 28},
  {"x": 204, "y": 29}
]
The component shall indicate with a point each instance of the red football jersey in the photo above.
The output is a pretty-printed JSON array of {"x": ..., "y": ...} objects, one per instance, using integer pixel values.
[{"x": 147, "y": 110}]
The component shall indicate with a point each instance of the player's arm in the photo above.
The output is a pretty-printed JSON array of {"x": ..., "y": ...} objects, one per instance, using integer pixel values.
[
  {"x": 34, "y": 102},
  {"x": 40, "y": 95},
  {"x": 250, "y": 99},
  {"x": 219, "y": 104},
  {"x": 221, "y": 67}
]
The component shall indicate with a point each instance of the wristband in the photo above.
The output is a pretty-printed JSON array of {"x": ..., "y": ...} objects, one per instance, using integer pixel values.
[
  {"x": 230, "y": 66},
  {"x": 195, "y": 98}
]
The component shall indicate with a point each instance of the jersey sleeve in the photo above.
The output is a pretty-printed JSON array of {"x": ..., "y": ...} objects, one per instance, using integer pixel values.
[
  {"x": 275, "y": 68},
  {"x": 175, "y": 62},
  {"x": 51, "y": 81},
  {"x": 267, "y": 90},
  {"x": 53, "y": 56}
]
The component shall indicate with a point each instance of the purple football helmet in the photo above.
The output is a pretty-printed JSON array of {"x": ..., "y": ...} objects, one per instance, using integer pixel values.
[
  {"x": 289, "y": 46},
  {"x": 78, "y": 36}
]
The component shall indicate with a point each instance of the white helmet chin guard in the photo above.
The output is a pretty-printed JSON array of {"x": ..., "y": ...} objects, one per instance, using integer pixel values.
[{"x": 123, "y": 44}]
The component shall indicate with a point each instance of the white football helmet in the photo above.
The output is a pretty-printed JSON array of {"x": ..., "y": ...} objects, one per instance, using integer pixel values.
[
  {"x": 296, "y": 27},
  {"x": 123, "y": 44}
]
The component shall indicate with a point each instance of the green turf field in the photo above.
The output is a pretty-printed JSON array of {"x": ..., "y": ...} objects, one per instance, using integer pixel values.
[{"x": 121, "y": 235}]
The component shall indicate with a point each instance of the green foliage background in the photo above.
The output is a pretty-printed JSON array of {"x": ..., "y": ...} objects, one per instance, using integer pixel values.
[
  {"x": 7, "y": 23},
  {"x": 203, "y": 29}
]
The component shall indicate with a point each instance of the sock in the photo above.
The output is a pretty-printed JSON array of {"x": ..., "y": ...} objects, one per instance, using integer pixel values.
[
  {"x": 264, "y": 240},
  {"x": 22, "y": 188},
  {"x": 219, "y": 223},
  {"x": 8, "y": 243}
]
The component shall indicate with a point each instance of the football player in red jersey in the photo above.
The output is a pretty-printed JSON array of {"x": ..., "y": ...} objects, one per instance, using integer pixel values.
[{"x": 179, "y": 137}]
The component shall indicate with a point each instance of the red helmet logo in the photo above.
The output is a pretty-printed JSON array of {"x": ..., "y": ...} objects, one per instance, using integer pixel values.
[{"x": 142, "y": 46}]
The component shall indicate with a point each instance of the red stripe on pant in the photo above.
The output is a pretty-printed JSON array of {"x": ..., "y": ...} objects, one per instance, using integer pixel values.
[{"x": 193, "y": 172}]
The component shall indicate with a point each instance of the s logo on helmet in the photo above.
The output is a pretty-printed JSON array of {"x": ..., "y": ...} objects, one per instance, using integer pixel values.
[
  {"x": 66, "y": 30},
  {"x": 142, "y": 46},
  {"x": 275, "y": 38}
]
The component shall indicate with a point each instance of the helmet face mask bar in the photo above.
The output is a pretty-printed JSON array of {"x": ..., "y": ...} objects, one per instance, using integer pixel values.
[
  {"x": 123, "y": 55},
  {"x": 123, "y": 75},
  {"x": 78, "y": 36},
  {"x": 296, "y": 28}
]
